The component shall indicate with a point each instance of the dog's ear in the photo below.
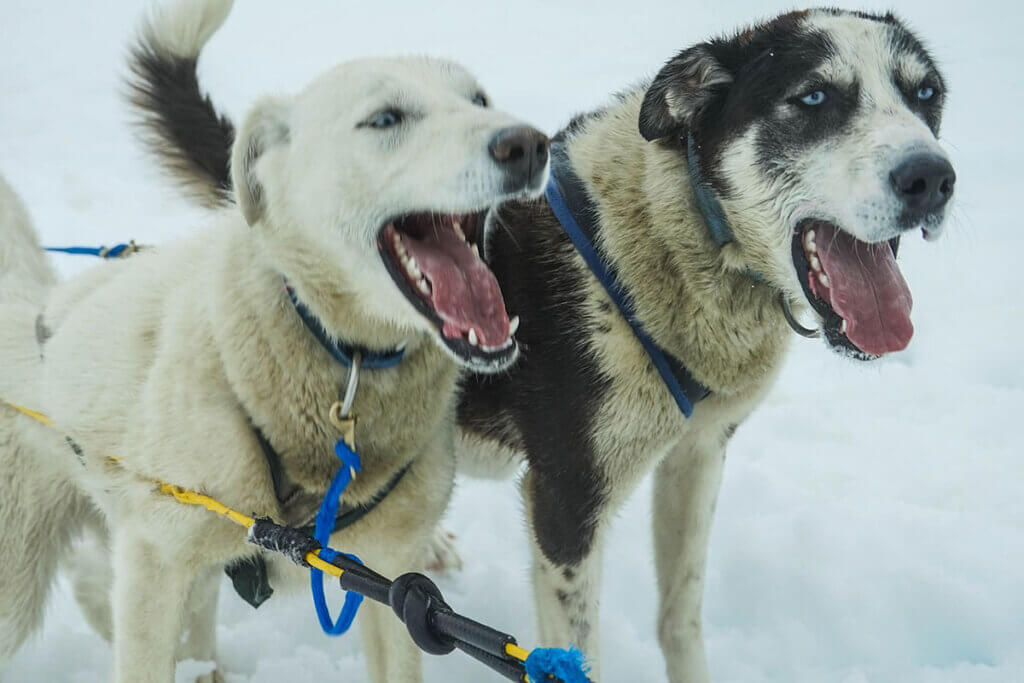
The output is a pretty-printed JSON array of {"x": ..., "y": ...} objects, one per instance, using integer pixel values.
[
  {"x": 680, "y": 91},
  {"x": 266, "y": 127}
]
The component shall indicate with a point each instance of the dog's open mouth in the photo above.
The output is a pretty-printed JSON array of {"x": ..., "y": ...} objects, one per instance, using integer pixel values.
[
  {"x": 435, "y": 261},
  {"x": 856, "y": 287}
]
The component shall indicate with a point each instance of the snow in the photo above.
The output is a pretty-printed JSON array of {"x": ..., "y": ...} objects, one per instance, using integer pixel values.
[{"x": 871, "y": 524}]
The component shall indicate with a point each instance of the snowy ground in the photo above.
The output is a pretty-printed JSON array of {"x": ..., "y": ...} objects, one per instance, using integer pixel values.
[{"x": 871, "y": 523}]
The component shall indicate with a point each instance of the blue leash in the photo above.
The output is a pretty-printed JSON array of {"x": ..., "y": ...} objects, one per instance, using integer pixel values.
[{"x": 350, "y": 466}]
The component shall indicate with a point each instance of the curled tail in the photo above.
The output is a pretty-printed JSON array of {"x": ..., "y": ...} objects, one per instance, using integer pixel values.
[{"x": 192, "y": 141}]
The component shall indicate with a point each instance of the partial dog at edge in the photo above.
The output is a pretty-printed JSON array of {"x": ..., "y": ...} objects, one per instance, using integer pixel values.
[
  {"x": 366, "y": 194},
  {"x": 817, "y": 133}
]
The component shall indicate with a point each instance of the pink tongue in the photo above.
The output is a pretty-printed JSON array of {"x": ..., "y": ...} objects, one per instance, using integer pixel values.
[
  {"x": 866, "y": 289},
  {"x": 464, "y": 292}
]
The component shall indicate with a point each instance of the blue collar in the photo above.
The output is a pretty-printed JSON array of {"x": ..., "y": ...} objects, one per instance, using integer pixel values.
[
  {"x": 578, "y": 216},
  {"x": 371, "y": 360}
]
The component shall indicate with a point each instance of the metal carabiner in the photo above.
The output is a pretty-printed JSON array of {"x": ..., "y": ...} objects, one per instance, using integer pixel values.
[{"x": 341, "y": 411}]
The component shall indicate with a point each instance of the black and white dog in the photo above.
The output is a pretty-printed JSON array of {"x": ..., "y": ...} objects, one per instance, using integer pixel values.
[{"x": 768, "y": 172}]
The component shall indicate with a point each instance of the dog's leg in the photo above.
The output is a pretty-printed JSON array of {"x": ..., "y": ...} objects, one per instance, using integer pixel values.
[
  {"x": 88, "y": 567},
  {"x": 391, "y": 656},
  {"x": 40, "y": 513},
  {"x": 566, "y": 568},
  {"x": 199, "y": 641},
  {"x": 685, "y": 489},
  {"x": 149, "y": 596}
]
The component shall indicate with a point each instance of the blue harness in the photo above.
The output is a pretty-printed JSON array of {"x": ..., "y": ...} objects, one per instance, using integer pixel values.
[{"x": 577, "y": 214}]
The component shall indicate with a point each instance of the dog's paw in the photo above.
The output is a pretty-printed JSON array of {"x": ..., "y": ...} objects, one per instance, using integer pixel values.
[
  {"x": 441, "y": 556},
  {"x": 214, "y": 676}
]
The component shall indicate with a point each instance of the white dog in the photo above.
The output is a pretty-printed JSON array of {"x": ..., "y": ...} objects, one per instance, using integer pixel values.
[{"x": 361, "y": 201}]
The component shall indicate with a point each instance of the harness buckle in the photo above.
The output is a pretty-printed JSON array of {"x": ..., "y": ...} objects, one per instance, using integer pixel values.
[{"x": 346, "y": 424}]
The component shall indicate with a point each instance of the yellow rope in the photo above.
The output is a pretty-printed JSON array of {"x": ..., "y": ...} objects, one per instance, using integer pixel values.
[
  {"x": 35, "y": 415},
  {"x": 188, "y": 497},
  {"x": 191, "y": 497}
]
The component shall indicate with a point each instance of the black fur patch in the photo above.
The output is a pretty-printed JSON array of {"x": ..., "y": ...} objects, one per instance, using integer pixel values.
[
  {"x": 192, "y": 140},
  {"x": 76, "y": 449},
  {"x": 766, "y": 63},
  {"x": 552, "y": 394},
  {"x": 43, "y": 333}
]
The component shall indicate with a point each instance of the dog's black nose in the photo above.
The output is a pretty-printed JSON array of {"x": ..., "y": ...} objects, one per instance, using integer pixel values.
[
  {"x": 522, "y": 151},
  {"x": 924, "y": 183}
]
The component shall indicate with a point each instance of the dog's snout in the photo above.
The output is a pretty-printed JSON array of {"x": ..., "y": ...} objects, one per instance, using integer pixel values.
[
  {"x": 522, "y": 151},
  {"x": 924, "y": 182}
]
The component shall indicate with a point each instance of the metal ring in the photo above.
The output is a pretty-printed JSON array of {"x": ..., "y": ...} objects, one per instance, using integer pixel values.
[
  {"x": 791, "y": 319},
  {"x": 353, "y": 384}
]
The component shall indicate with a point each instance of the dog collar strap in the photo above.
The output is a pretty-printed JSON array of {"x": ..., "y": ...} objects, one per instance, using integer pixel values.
[
  {"x": 578, "y": 216},
  {"x": 707, "y": 203},
  {"x": 343, "y": 353},
  {"x": 710, "y": 208}
]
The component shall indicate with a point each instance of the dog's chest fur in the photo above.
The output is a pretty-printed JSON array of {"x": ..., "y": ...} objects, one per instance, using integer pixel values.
[{"x": 286, "y": 383}]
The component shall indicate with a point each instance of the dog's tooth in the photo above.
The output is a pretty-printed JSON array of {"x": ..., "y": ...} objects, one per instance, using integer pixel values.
[
  {"x": 424, "y": 287},
  {"x": 513, "y": 325},
  {"x": 824, "y": 279},
  {"x": 476, "y": 251},
  {"x": 472, "y": 337},
  {"x": 842, "y": 328},
  {"x": 815, "y": 263},
  {"x": 809, "y": 245},
  {"x": 458, "y": 230}
]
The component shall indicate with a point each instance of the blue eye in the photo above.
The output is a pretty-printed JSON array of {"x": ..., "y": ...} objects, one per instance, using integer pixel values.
[
  {"x": 813, "y": 99},
  {"x": 925, "y": 93},
  {"x": 385, "y": 119}
]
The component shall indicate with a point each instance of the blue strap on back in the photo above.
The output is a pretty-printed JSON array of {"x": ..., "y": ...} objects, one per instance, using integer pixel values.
[
  {"x": 610, "y": 281},
  {"x": 350, "y": 465},
  {"x": 102, "y": 252}
]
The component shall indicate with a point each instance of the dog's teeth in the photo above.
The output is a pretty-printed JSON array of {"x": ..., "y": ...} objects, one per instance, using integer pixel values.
[
  {"x": 476, "y": 251},
  {"x": 824, "y": 279},
  {"x": 424, "y": 287},
  {"x": 809, "y": 244},
  {"x": 472, "y": 337},
  {"x": 513, "y": 325},
  {"x": 458, "y": 230},
  {"x": 842, "y": 328},
  {"x": 815, "y": 263}
]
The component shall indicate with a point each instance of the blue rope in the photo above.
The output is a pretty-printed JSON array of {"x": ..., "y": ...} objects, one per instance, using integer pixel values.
[
  {"x": 350, "y": 465},
  {"x": 568, "y": 666},
  {"x": 617, "y": 293},
  {"x": 101, "y": 252}
]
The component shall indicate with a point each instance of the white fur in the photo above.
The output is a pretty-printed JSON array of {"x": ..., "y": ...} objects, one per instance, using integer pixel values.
[
  {"x": 182, "y": 29},
  {"x": 198, "y": 341},
  {"x": 25, "y": 272}
]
